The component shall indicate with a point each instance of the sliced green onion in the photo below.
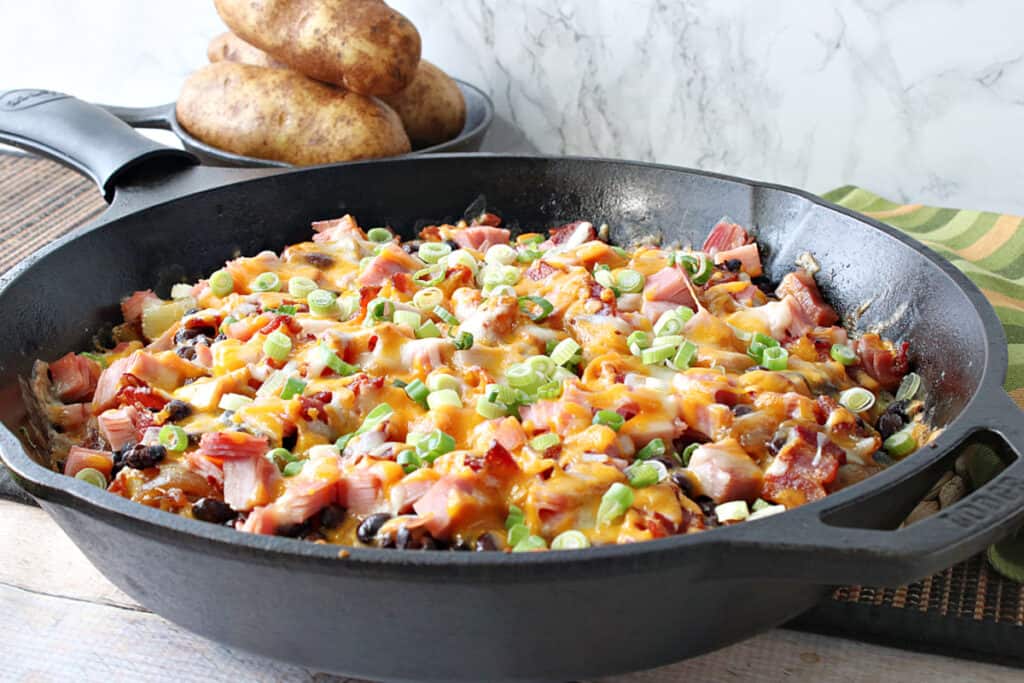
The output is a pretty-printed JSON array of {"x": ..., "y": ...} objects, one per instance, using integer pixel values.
[
  {"x": 909, "y": 387},
  {"x": 515, "y": 516},
  {"x": 766, "y": 511},
  {"x": 530, "y": 239},
  {"x": 775, "y": 358},
  {"x": 489, "y": 409},
  {"x": 409, "y": 461},
  {"x": 232, "y": 402},
  {"x": 463, "y": 341},
  {"x": 410, "y": 318},
  {"x": 517, "y": 534},
  {"x": 614, "y": 503},
  {"x": 668, "y": 323},
  {"x": 445, "y": 315},
  {"x": 280, "y": 457},
  {"x": 495, "y": 291},
  {"x": 688, "y": 453},
  {"x": 620, "y": 252},
  {"x": 445, "y": 397},
  {"x": 432, "y": 252},
  {"x": 541, "y": 364},
  {"x": 545, "y": 441},
  {"x": 609, "y": 418},
  {"x": 900, "y": 444},
  {"x": 292, "y": 388},
  {"x": 434, "y": 445},
  {"x": 277, "y": 345},
  {"x": 429, "y": 276},
  {"x": 685, "y": 356},
  {"x": 266, "y": 282},
  {"x": 529, "y": 544},
  {"x": 529, "y": 255},
  {"x": 222, "y": 283},
  {"x": 638, "y": 341},
  {"x": 765, "y": 340},
  {"x": 441, "y": 380},
  {"x": 669, "y": 340},
  {"x": 95, "y": 358},
  {"x": 701, "y": 271},
  {"x": 549, "y": 390},
  {"x": 654, "y": 449},
  {"x": 428, "y": 329},
  {"x": 841, "y": 353},
  {"x": 379, "y": 235},
  {"x": 331, "y": 360},
  {"x": 523, "y": 376},
  {"x": 564, "y": 351},
  {"x": 501, "y": 254},
  {"x": 173, "y": 438},
  {"x": 461, "y": 257},
  {"x": 322, "y": 303},
  {"x": 756, "y": 351},
  {"x": 92, "y": 476},
  {"x": 603, "y": 277},
  {"x": 380, "y": 414},
  {"x": 537, "y": 308},
  {"x": 657, "y": 354},
  {"x": 646, "y": 473},
  {"x": 380, "y": 309},
  {"x": 733, "y": 511},
  {"x": 629, "y": 281},
  {"x": 343, "y": 441},
  {"x": 417, "y": 391},
  {"x": 857, "y": 399},
  {"x": 427, "y": 299},
  {"x": 347, "y": 306},
  {"x": 300, "y": 287},
  {"x": 287, "y": 309},
  {"x": 500, "y": 275},
  {"x": 293, "y": 468},
  {"x": 570, "y": 540}
]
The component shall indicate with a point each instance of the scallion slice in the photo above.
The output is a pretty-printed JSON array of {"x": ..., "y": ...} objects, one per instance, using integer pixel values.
[
  {"x": 732, "y": 511},
  {"x": 428, "y": 299},
  {"x": 614, "y": 503},
  {"x": 629, "y": 281},
  {"x": 654, "y": 449},
  {"x": 380, "y": 309},
  {"x": 501, "y": 254},
  {"x": 409, "y": 461},
  {"x": 537, "y": 308},
  {"x": 523, "y": 376},
  {"x": 232, "y": 402},
  {"x": 331, "y": 360},
  {"x": 490, "y": 409},
  {"x": 429, "y": 276},
  {"x": 266, "y": 282},
  {"x": 549, "y": 390},
  {"x": 841, "y": 353},
  {"x": 173, "y": 438},
  {"x": 280, "y": 457},
  {"x": 564, "y": 351},
  {"x": 603, "y": 276},
  {"x": 909, "y": 387},
  {"x": 441, "y": 380},
  {"x": 639, "y": 341},
  {"x": 432, "y": 252},
  {"x": 687, "y": 453},
  {"x": 445, "y": 397},
  {"x": 300, "y": 287},
  {"x": 445, "y": 315},
  {"x": 91, "y": 475},
  {"x": 428, "y": 329},
  {"x": 410, "y": 318},
  {"x": 293, "y": 468},
  {"x": 277, "y": 345},
  {"x": 685, "y": 356},
  {"x": 463, "y": 341},
  {"x": 657, "y": 354},
  {"x": 417, "y": 391},
  {"x": 222, "y": 283},
  {"x": 379, "y": 235},
  {"x": 434, "y": 445},
  {"x": 322, "y": 303},
  {"x": 530, "y": 544},
  {"x": 857, "y": 399},
  {"x": 570, "y": 540},
  {"x": 543, "y": 442},
  {"x": 646, "y": 473},
  {"x": 775, "y": 358},
  {"x": 376, "y": 417},
  {"x": 609, "y": 418},
  {"x": 292, "y": 387},
  {"x": 900, "y": 444},
  {"x": 515, "y": 516},
  {"x": 517, "y": 534}
]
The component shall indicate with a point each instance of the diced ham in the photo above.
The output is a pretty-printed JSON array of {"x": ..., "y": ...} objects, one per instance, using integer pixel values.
[
  {"x": 801, "y": 286},
  {"x": 209, "y": 469},
  {"x": 118, "y": 426},
  {"x": 79, "y": 458},
  {"x": 262, "y": 520},
  {"x": 509, "y": 433},
  {"x": 783, "y": 319},
  {"x": 885, "y": 365},
  {"x": 652, "y": 310},
  {"x": 480, "y": 237},
  {"x": 492, "y": 320},
  {"x": 74, "y": 377},
  {"x": 390, "y": 260},
  {"x": 725, "y": 236},
  {"x": 71, "y": 416},
  {"x": 644, "y": 428},
  {"x": 561, "y": 417},
  {"x": 304, "y": 495},
  {"x": 410, "y": 489},
  {"x": 360, "y": 491},
  {"x": 447, "y": 502},
  {"x": 426, "y": 354},
  {"x": 133, "y": 306},
  {"x": 249, "y": 482},
  {"x": 572, "y": 234},
  {"x": 726, "y": 472},
  {"x": 331, "y": 230},
  {"x": 109, "y": 384},
  {"x": 204, "y": 356},
  {"x": 805, "y": 465},
  {"x": 233, "y": 445},
  {"x": 164, "y": 372},
  {"x": 669, "y": 284},
  {"x": 747, "y": 255}
]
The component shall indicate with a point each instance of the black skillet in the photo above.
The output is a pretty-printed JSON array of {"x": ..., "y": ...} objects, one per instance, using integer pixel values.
[
  {"x": 389, "y": 614},
  {"x": 479, "y": 114}
]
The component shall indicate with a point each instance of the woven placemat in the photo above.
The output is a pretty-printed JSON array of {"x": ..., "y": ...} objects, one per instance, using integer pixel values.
[{"x": 967, "y": 608}]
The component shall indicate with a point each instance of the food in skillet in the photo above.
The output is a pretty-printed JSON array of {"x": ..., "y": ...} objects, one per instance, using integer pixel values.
[{"x": 470, "y": 390}]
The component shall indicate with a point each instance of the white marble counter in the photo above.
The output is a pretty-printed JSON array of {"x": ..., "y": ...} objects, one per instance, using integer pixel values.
[{"x": 917, "y": 99}]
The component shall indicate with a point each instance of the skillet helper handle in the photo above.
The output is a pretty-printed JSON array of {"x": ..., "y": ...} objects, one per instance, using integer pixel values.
[
  {"x": 833, "y": 555},
  {"x": 80, "y": 135},
  {"x": 158, "y": 116}
]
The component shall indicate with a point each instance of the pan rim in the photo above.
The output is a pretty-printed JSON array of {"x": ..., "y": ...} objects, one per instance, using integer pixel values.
[{"x": 51, "y": 486}]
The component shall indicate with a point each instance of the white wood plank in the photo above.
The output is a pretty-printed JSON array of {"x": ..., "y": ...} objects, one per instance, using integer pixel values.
[{"x": 60, "y": 620}]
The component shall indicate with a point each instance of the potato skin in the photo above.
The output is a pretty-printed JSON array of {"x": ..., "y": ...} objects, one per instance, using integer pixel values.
[
  {"x": 362, "y": 45},
  {"x": 227, "y": 47},
  {"x": 282, "y": 115},
  {"x": 432, "y": 108}
]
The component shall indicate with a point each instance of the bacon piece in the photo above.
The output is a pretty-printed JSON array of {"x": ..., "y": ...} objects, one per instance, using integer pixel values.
[
  {"x": 747, "y": 255},
  {"x": 497, "y": 464},
  {"x": 669, "y": 285},
  {"x": 539, "y": 270},
  {"x": 726, "y": 472},
  {"x": 74, "y": 377},
  {"x": 360, "y": 492},
  {"x": 249, "y": 481},
  {"x": 491, "y": 219},
  {"x": 725, "y": 236},
  {"x": 885, "y": 365},
  {"x": 119, "y": 427},
  {"x": 390, "y": 260},
  {"x": 802, "y": 287},
  {"x": 480, "y": 237},
  {"x": 805, "y": 465},
  {"x": 233, "y": 445},
  {"x": 109, "y": 384},
  {"x": 133, "y": 306},
  {"x": 577, "y": 231},
  {"x": 79, "y": 458}
]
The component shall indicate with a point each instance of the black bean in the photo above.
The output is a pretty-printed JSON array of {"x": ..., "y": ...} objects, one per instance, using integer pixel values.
[
  {"x": 889, "y": 424},
  {"x": 186, "y": 352},
  {"x": 763, "y": 283},
  {"x": 403, "y": 539},
  {"x": 707, "y": 506},
  {"x": 191, "y": 334},
  {"x": 192, "y": 311},
  {"x": 386, "y": 541},
  {"x": 412, "y": 246},
  {"x": 293, "y": 530},
  {"x": 368, "y": 528},
  {"x": 220, "y": 337},
  {"x": 140, "y": 457},
  {"x": 213, "y": 511},
  {"x": 332, "y": 516},
  {"x": 776, "y": 444},
  {"x": 315, "y": 258},
  {"x": 899, "y": 408},
  {"x": 669, "y": 462},
  {"x": 733, "y": 264},
  {"x": 461, "y": 545},
  {"x": 486, "y": 542},
  {"x": 682, "y": 480},
  {"x": 177, "y": 410},
  {"x": 741, "y": 409}
]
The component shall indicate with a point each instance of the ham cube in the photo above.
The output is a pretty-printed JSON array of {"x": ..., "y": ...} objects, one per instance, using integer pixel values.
[
  {"x": 725, "y": 471},
  {"x": 74, "y": 377},
  {"x": 801, "y": 286},
  {"x": 481, "y": 237}
]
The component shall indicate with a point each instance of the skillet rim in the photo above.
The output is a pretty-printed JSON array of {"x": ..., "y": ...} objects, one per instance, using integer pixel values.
[{"x": 56, "y": 488}]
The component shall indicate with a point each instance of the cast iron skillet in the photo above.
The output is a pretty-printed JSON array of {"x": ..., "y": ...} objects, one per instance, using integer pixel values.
[
  {"x": 389, "y": 614},
  {"x": 479, "y": 113}
]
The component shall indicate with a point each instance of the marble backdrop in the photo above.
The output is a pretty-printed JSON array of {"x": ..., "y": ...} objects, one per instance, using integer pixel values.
[{"x": 917, "y": 99}]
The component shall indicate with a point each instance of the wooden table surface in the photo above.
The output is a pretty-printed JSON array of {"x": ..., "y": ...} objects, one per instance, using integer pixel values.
[{"x": 61, "y": 620}]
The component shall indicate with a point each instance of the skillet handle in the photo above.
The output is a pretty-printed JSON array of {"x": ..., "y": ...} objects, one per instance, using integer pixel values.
[
  {"x": 82, "y": 136},
  {"x": 158, "y": 116},
  {"x": 814, "y": 550}
]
